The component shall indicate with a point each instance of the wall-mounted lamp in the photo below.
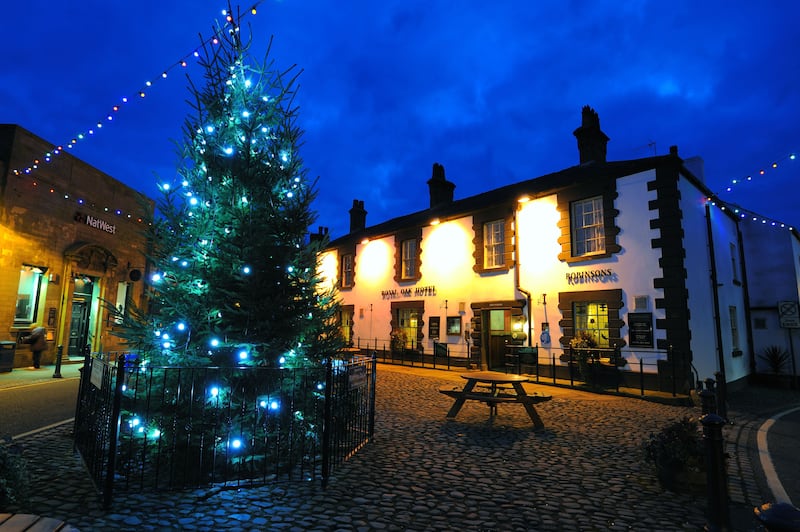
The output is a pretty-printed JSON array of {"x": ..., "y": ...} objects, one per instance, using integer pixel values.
[{"x": 361, "y": 313}]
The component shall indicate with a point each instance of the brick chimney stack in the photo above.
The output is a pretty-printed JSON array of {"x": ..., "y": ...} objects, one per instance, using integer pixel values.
[
  {"x": 441, "y": 190},
  {"x": 591, "y": 140},
  {"x": 358, "y": 216}
]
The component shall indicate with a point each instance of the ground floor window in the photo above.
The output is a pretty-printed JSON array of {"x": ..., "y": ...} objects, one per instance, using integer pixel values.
[
  {"x": 346, "y": 324},
  {"x": 28, "y": 291},
  {"x": 593, "y": 314},
  {"x": 591, "y": 321},
  {"x": 407, "y": 324}
]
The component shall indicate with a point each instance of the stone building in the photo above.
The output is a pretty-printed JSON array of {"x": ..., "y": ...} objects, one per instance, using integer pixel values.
[{"x": 72, "y": 246}]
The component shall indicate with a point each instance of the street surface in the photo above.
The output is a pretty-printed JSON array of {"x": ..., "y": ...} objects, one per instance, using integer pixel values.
[
  {"x": 784, "y": 445},
  {"x": 36, "y": 405}
]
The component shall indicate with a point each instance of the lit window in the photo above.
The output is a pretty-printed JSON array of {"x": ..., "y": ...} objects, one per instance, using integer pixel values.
[
  {"x": 409, "y": 259},
  {"x": 30, "y": 285},
  {"x": 494, "y": 244},
  {"x": 591, "y": 321},
  {"x": 347, "y": 271},
  {"x": 588, "y": 234},
  {"x": 346, "y": 323},
  {"x": 409, "y": 323}
]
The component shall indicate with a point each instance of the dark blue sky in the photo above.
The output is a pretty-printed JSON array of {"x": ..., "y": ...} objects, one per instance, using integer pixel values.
[{"x": 491, "y": 90}]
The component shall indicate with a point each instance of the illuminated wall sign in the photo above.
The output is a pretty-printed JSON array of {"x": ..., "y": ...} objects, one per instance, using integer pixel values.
[
  {"x": 589, "y": 276},
  {"x": 97, "y": 223},
  {"x": 418, "y": 291}
]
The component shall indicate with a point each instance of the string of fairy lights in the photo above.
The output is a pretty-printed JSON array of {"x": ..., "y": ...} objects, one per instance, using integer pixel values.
[
  {"x": 56, "y": 150},
  {"x": 744, "y": 213},
  {"x": 49, "y": 156}
]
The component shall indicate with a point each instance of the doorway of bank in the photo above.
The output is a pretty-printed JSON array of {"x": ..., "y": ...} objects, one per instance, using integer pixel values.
[{"x": 81, "y": 316}]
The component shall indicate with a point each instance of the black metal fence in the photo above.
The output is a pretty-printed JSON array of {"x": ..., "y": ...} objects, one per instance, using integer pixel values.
[
  {"x": 140, "y": 428},
  {"x": 645, "y": 372}
]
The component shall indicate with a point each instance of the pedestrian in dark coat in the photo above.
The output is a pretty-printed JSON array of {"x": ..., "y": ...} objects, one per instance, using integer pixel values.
[{"x": 38, "y": 341}]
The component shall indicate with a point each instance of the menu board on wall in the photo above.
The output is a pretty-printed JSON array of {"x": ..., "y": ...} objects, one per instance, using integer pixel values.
[
  {"x": 433, "y": 327},
  {"x": 640, "y": 327}
]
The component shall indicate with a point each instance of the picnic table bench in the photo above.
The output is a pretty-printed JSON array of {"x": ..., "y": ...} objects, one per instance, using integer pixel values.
[
  {"x": 32, "y": 523},
  {"x": 493, "y": 388}
]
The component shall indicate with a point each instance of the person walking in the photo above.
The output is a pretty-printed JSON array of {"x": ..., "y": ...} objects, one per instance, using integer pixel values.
[{"x": 38, "y": 341}]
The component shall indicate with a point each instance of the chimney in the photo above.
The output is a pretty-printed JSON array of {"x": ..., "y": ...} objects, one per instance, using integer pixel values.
[
  {"x": 320, "y": 236},
  {"x": 441, "y": 190},
  {"x": 358, "y": 216},
  {"x": 591, "y": 141}
]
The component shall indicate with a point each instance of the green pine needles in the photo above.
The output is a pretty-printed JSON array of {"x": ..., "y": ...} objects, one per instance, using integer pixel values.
[{"x": 235, "y": 272}]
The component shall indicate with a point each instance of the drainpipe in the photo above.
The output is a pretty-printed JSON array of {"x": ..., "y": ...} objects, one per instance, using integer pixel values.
[
  {"x": 746, "y": 296},
  {"x": 519, "y": 288},
  {"x": 715, "y": 290}
]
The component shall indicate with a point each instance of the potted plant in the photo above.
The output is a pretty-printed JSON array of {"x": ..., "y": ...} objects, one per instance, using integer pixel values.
[
  {"x": 776, "y": 358},
  {"x": 582, "y": 345},
  {"x": 397, "y": 340},
  {"x": 678, "y": 455}
]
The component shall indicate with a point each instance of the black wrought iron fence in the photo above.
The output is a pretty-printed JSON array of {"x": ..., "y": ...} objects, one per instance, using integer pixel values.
[{"x": 139, "y": 427}]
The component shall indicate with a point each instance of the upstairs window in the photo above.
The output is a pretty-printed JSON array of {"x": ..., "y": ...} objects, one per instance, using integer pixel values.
[
  {"x": 347, "y": 271},
  {"x": 494, "y": 247},
  {"x": 734, "y": 264},
  {"x": 588, "y": 233},
  {"x": 408, "y": 262}
]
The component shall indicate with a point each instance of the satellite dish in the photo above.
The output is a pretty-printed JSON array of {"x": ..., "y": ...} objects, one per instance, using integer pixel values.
[{"x": 135, "y": 275}]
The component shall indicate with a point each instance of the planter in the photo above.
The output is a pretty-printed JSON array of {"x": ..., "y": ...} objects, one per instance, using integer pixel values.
[{"x": 687, "y": 481}]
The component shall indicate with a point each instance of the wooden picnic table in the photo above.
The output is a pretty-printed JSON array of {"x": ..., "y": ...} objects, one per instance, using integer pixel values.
[{"x": 492, "y": 388}]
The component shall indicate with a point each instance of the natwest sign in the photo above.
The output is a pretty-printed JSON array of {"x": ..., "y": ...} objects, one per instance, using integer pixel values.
[{"x": 97, "y": 223}]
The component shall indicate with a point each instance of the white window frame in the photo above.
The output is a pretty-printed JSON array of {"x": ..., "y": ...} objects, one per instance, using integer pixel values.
[
  {"x": 733, "y": 313},
  {"x": 408, "y": 261},
  {"x": 347, "y": 270},
  {"x": 591, "y": 318},
  {"x": 494, "y": 244},
  {"x": 29, "y": 290},
  {"x": 588, "y": 227}
]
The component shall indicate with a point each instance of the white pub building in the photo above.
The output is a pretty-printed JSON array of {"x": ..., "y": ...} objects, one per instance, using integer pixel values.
[{"x": 626, "y": 255}]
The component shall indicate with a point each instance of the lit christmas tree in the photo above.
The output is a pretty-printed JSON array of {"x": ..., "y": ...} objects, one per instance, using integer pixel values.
[{"x": 234, "y": 273}]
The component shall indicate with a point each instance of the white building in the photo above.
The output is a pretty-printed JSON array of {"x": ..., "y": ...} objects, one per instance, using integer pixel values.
[{"x": 628, "y": 253}]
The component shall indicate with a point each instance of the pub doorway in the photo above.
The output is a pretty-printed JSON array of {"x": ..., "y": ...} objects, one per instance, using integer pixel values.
[{"x": 494, "y": 320}]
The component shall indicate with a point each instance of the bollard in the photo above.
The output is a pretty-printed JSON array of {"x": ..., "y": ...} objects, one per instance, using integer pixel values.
[
  {"x": 708, "y": 399},
  {"x": 59, "y": 353},
  {"x": 722, "y": 395},
  {"x": 716, "y": 476}
]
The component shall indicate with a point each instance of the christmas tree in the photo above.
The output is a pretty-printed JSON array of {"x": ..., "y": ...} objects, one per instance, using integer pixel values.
[{"x": 234, "y": 278}]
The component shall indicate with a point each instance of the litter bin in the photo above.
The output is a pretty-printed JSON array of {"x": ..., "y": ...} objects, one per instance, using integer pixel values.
[{"x": 7, "y": 351}]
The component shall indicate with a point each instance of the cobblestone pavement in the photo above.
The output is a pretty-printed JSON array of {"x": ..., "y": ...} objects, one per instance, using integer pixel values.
[{"x": 421, "y": 472}]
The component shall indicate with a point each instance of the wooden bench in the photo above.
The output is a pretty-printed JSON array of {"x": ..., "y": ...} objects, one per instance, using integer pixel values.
[{"x": 32, "y": 523}]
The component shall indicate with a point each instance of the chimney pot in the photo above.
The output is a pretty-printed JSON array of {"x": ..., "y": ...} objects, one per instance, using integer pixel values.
[
  {"x": 358, "y": 216},
  {"x": 439, "y": 188},
  {"x": 592, "y": 142}
]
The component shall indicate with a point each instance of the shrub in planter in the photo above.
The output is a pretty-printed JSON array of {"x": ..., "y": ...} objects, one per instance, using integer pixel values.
[
  {"x": 14, "y": 478},
  {"x": 776, "y": 358},
  {"x": 678, "y": 454}
]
